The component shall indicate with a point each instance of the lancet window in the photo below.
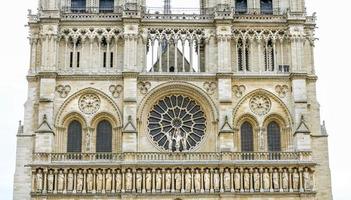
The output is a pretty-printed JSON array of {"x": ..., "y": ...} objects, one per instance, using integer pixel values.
[
  {"x": 246, "y": 131},
  {"x": 243, "y": 53},
  {"x": 74, "y": 137},
  {"x": 104, "y": 137},
  {"x": 269, "y": 56},
  {"x": 274, "y": 137}
]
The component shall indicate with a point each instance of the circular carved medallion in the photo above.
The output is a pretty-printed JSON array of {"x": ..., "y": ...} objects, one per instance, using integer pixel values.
[
  {"x": 260, "y": 105},
  {"x": 89, "y": 103},
  {"x": 177, "y": 123}
]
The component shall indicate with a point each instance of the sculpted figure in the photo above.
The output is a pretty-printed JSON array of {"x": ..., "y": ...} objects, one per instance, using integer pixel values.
[
  {"x": 188, "y": 180},
  {"x": 226, "y": 177},
  {"x": 80, "y": 179},
  {"x": 256, "y": 177},
  {"x": 90, "y": 181},
  {"x": 197, "y": 180},
  {"x": 139, "y": 179},
  {"x": 216, "y": 180},
  {"x": 129, "y": 180},
  {"x": 307, "y": 180},
  {"x": 60, "y": 181},
  {"x": 275, "y": 179},
  {"x": 285, "y": 179},
  {"x": 99, "y": 181},
  {"x": 108, "y": 183},
  {"x": 237, "y": 180},
  {"x": 207, "y": 180},
  {"x": 296, "y": 179},
  {"x": 246, "y": 180},
  {"x": 178, "y": 180},
  {"x": 118, "y": 181},
  {"x": 70, "y": 181},
  {"x": 50, "y": 181},
  {"x": 266, "y": 182},
  {"x": 168, "y": 180},
  {"x": 158, "y": 180},
  {"x": 148, "y": 180},
  {"x": 39, "y": 181}
]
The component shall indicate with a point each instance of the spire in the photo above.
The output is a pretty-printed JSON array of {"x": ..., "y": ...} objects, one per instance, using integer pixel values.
[
  {"x": 167, "y": 6},
  {"x": 20, "y": 128}
]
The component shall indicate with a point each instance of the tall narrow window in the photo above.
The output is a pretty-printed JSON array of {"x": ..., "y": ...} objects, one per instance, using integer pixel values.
[
  {"x": 71, "y": 60},
  {"x": 106, "y": 6},
  {"x": 243, "y": 55},
  {"x": 269, "y": 56},
  {"x": 246, "y": 137},
  {"x": 241, "y": 6},
  {"x": 104, "y": 137},
  {"x": 111, "y": 60},
  {"x": 273, "y": 133},
  {"x": 74, "y": 137},
  {"x": 104, "y": 59},
  {"x": 78, "y": 6},
  {"x": 266, "y": 7},
  {"x": 78, "y": 59}
]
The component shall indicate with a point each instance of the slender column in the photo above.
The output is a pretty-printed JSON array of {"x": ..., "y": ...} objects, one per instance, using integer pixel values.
[
  {"x": 45, "y": 173},
  {"x": 108, "y": 53},
  {"x": 251, "y": 56},
  {"x": 221, "y": 180},
  {"x": 116, "y": 54},
  {"x": 33, "y": 180},
  {"x": 168, "y": 62},
  {"x": 259, "y": 54},
  {"x": 160, "y": 55},
  {"x": 99, "y": 53},
  {"x": 152, "y": 55},
  {"x": 281, "y": 52},
  {"x": 244, "y": 55},
  {"x": 301, "y": 181},
  {"x": 274, "y": 59},
  {"x": 74, "y": 63},
  {"x": 66, "y": 53},
  {"x": 57, "y": 49},
  {"x": 91, "y": 40},
  {"x": 183, "y": 53},
  {"x": 191, "y": 49},
  {"x": 65, "y": 182},
  {"x": 84, "y": 181},
  {"x": 198, "y": 56},
  {"x": 176, "y": 56}
]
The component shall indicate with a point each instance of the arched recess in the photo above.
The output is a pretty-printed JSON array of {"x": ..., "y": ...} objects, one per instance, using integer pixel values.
[
  {"x": 178, "y": 88},
  {"x": 69, "y": 111},
  {"x": 278, "y": 111},
  {"x": 246, "y": 118}
]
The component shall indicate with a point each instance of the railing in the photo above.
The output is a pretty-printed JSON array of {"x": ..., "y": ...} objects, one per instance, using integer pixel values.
[
  {"x": 164, "y": 157},
  {"x": 256, "y": 11},
  {"x": 82, "y": 10}
]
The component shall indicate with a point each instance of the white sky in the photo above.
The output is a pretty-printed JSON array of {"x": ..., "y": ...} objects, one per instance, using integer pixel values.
[{"x": 334, "y": 94}]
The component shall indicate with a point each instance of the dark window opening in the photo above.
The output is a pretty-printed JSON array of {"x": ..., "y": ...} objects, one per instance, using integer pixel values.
[
  {"x": 104, "y": 60},
  {"x": 78, "y": 6},
  {"x": 111, "y": 60},
  {"x": 78, "y": 59},
  {"x": 266, "y": 7},
  {"x": 241, "y": 6},
  {"x": 106, "y": 6},
  {"x": 74, "y": 137},
  {"x": 104, "y": 137},
  {"x": 273, "y": 133},
  {"x": 246, "y": 131},
  {"x": 71, "y": 60},
  {"x": 171, "y": 69}
]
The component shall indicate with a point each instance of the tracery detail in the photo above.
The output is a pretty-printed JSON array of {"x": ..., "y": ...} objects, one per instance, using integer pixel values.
[
  {"x": 177, "y": 123},
  {"x": 89, "y": 104},
  {"x": 260, "y": 105}
]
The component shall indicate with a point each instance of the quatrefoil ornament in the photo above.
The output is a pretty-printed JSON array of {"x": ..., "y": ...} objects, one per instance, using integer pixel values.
[{"x": 116, "y": 90}]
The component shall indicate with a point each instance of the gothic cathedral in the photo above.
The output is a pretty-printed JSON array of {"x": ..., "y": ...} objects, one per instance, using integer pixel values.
[{"x": 131, "y": 101}]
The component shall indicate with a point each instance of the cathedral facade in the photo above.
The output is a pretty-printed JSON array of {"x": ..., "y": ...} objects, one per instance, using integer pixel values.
[{"x": 129, "y": 101}]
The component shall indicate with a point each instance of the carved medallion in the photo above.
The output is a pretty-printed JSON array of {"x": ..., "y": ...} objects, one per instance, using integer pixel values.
[
  {"x": 260, "y": 105},
  {"x": 144, "y": 87},
  {"x": 282, "y": 90},
  {"x": 210, "y": 87},
  {"x": 177, "y": 123},
  {"x": 89, "y": 103},
  {"x": 116, "y": 90},
  {"x": 239, "y": 90},
  {"x": 63, "y": 90}
]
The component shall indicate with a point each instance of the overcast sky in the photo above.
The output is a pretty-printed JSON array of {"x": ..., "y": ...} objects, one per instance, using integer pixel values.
[{"x": 331, "y": 53}]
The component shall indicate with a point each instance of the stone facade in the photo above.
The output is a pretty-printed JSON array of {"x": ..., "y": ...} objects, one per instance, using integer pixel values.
[{"x": 125, "y": 102}]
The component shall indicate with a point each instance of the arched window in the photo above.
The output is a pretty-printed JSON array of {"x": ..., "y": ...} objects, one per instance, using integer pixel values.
[
  {"x": 74, "y": 137},
  {"x": 104, "y": 137},
  {"x": 106, "y": 6},
  {"x": 241, "y": 6},
  {"x": 243, "y": 55},
  {"x": 269, "y": 56},
  {"x": 78, "y": 5},
  {"x": 246, "y": 137},
  {"x": 273, "y": 133},
  {"x": 266, "y": 7}
]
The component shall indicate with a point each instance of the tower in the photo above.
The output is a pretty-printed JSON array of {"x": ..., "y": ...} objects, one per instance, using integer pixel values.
[{"x": 124, "y": 102}]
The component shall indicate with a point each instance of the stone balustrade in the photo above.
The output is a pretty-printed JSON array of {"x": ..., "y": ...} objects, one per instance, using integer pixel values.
[{"x": 186, "y": 180}]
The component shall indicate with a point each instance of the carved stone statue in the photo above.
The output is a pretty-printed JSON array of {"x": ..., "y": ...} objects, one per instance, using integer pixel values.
[
  {"x": 60, "y": 181},
  {"x": 168, "y": 178},
  {"x": 285, "y": 180},
  {"x": 237, "y": 180},
  {"x": 197, "y": 181},
  {"x": 158, "y": 180},
  {"x": 216, "y": 180},
  {"x": 307, "y": 180},
  {"x": 178, "y": 180},
  {"x": 207, "y": 180},
  {"x": 90, "y": 181},
  {"x": 80, "y": 179},
  {"x": 226, "y": 177},
  {"x": 139, "y": 179},
  {"x": 148, "y": 181},
  {"x": 188, "y": 179},
  {"x": 118, "y": 181},
  {"x": 108, "y": 184},
  {"x": 70, "y": 181},
  {"x": 266, "y": 180},
  {"x": 50, "y": 181},
  {"x": 39, "y": 181},
  {"x": 99, "y": 181},
  {"x": 296, "y": 179},
  {"x": 256, "y": 179},
  {"x": 275, "y": 179},
  {"x": 246, "y": 180},
  {"x": 129, "y": 180}
]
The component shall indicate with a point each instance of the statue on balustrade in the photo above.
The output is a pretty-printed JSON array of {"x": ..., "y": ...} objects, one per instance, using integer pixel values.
[
  {"x": 80, "y": 181},
  {"x": 178, "y": 180},
  {"x": 227, "y": 180},
  {"x": 129, "y": 180},
  {"x": 246, "y": 180},
  {"x": 168, "y": 178},
  {"x": 118, "y": 181},
  {"x": 307, "y": 180},
  {"x": 266, "y": 180},
  {"x": 216, "y": 180},
  {"x": 256, "y": 180},
  {"x": 158, "y": 180},
  {"x": 139, "y": 179},
  {"x": 90, "y": 181},
  {"x": 70, "y": 180},
  {"x": 148, "y": 181},
  {"x": 285, "y": 180},
  {"x": 275, "y": 179},
  {"x": 188, "y": 180},
  {"x": 39, "y": 181},
  {"x": 207, "y": 180},
  {"x": 60, "y": 181},
  {"x": 197, "y": 181},
  {"x": 296, "y": 180},
  {"x": 237, "y": 180},
  {"x": 99, "y": 181},
  {"x": 50, "y": 181},
  {"x": 108, "y": 184}
]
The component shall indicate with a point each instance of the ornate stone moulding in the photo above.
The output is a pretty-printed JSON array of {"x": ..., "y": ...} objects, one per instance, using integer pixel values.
[
  {"x": 260, "y": 104},
  {"x": 89, "y": 103}
]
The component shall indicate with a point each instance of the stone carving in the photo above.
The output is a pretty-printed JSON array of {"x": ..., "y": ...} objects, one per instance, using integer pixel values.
[
  {"x": 260, "y": 105},
  {"x": 216, "y": 180},
  {"x": 168, "y": 178},
  {"x": 178, "y": 180},
  {"x": 307, "y": 180},
  {"x": 90, "y": 181},
  {"x": 60, "y": 181},
  {"x": 282, "y": 90},
  {"x": 285, "y": 180},
  {"x": 158, "y": 180},
  {"x": 246, "y": 180},
  {"x": 129, "y": 180},
  {"x": 197, "y": 181},
  {"x": 239, "y": 90},
  {"x": 237, "y": 180},
  {"x": 188, "y": 179},
  {"x": 118, "y": 181},
  {"x": 89, "y": 103},
  {"x": 296, "y": 179},
  {"x": 148, "y": 181},
  {"x": 139, "y": 178},
  {"x": 266, "y": 182},
  {"x": 63, "y": 90},
  {"x": 50, "y": 181},
  {"x": 39, "y": 181},
  {"x": 99, "y": 180},
  {"x": 116, "y": 90},
  {"x": 210, "y": 87},
  {"x": 108, "y": 181},
  {"x": 256, "y": 180},
  {"x": 207, "y": 180},
  {"x": 183, "y": 129},
  {"x": 144, "y": 87},
  {"x": 80, "y": 179},
  {"x": 227, "y": 180},
  {"x": 275, "y": 179},
  {"x": 70, "y": 181}
]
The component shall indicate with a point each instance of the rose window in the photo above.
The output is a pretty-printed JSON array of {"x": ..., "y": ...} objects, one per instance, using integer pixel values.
[
  {"x": 260, "y": 105},
  {"x": 89, "y": 103},
  {"x": 177, "y": 123}
]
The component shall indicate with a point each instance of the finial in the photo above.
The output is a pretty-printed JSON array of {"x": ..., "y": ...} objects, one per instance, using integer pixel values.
[
  {"x": 130, "y": 118},
  {"x": 45, "y": 118},
  {"x": 302, "y": 118},
  {"x": 19, "y": 123}
]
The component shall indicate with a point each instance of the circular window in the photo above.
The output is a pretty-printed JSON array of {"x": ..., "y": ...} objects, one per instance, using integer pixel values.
[
  {"x": 177, "y": 123},
  {"x": 260, "y": 105}
]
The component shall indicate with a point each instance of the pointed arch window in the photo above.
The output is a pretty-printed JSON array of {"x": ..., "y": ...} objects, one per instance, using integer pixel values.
[
  {"x": 274, "y": 137},
  {"x": 241, "y": 6},
  {"x": 269, "y": 56},
  {"x": 74, "y": 137},
  {"x": 246, "y": 131},
  {"x": 78, "y": 6},
  {"x": 243, "y": 55},
  {"x": 266, "y": 7},
  {"x": 104, "y": 137},
  {"x": 106, "y": 6}
]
